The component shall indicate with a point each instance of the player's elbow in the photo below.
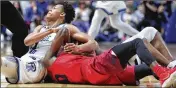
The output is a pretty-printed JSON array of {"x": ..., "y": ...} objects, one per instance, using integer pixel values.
[{"x": 27, "y": 42}]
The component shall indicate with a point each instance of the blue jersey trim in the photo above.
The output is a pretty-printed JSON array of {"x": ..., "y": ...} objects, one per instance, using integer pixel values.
[
  {"x": 109, "y": 13},
  {"x": 122, "y": 10}
]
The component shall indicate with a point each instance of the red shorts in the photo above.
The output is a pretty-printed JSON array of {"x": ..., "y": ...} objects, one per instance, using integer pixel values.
[{"x": 102, "y": 70}]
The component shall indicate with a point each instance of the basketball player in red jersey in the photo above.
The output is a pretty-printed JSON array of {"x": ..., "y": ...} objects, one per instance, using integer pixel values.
[{"x": 110, "y": 67}]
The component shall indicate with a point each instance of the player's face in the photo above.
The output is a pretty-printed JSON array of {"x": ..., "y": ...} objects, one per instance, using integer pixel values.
[{"x": 55, "y": 13}]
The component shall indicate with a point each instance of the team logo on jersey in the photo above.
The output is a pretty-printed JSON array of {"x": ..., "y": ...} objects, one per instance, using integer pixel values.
[{"x": 31, "y": 67}]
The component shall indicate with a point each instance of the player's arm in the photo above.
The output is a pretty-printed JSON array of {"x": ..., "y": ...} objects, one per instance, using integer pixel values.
[
  {"x": 151, "y": 7},
  {"x": 89, "y": 44},
  {"x": 61, "y": 37},
  {"x": 36, "y": 36}
]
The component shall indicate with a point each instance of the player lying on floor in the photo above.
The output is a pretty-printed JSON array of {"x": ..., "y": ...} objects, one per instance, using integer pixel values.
[
  {"x": 29, "y": 68},
  {"x": 110, "y": 67}
]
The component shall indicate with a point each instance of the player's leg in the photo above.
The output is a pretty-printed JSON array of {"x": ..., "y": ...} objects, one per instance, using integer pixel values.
[
  {"x": 126, "y": 50},
  {"x": 99, "y": 15},
  {"x": 9, "y": 67},
  {"x": 136, "y": 46},
  {"x": 117, "y": 23},
  {"x": 12, "y": 19},
  {"x": 152, "y": 35},
  {"x": 142, "y": 71},
  {"x": 131, "y": 75},
  {"x": 160, "y": 45},
  {"x": 148, "y": 33},
  {"x": 157, "y": 54}
]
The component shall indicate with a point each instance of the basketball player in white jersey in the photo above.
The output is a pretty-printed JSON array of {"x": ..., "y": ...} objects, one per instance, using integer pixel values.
[
  {"x": 28, "y": 68},
  {"x": 111, "y": 9}
]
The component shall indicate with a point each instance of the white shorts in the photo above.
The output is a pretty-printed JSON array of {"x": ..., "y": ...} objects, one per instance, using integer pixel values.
[
  {"x": 29, "y": 70},
  {"x": 111, "y": 7},
  {"x": 147, "y": 33}
]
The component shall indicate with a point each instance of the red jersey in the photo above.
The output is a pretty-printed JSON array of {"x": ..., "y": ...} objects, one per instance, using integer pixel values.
[{"x": 101, "y": 69}]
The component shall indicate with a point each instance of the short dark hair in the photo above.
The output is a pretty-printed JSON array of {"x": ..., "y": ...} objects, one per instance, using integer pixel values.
[{"x": 69, "y": 11}]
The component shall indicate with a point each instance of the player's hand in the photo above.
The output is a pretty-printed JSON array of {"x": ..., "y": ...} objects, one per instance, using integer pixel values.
[
  {"x": 75, "y": 49},
  {"x": 71, "y": 48},
  {"x": 55, "y": 30},
  {"x": 161, "y": 9}
]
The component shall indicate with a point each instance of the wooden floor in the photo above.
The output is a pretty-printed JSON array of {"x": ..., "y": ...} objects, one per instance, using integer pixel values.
[
  {"x": 147, "y": 82},
  {"x": 70, "y": 85}
]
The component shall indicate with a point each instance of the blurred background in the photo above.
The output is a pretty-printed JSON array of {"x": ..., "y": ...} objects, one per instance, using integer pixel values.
[{"x": 138, "y": 15}]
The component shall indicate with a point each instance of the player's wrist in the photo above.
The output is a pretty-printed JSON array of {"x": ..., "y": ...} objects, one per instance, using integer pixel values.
[
  {"x": 50, "y": 31},
  {"x": 80, "y": 49}
]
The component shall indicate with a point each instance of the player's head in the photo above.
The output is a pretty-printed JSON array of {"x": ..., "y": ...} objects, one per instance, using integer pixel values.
[{"x": 62, "y": 11}]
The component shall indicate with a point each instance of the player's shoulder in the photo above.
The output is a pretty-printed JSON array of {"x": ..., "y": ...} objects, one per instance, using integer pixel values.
[
  {"x": 72, "y": 28},
  {"x": 38, "y": 28}
]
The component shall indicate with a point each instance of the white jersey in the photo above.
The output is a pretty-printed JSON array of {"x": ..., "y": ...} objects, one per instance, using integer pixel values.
[
  {"x": 30, "y": 68},
  {"x": 111, "y": 7}
]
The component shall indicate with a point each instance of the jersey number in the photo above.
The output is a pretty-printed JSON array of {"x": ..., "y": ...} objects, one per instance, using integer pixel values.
[{"x": 61, "y": 78}]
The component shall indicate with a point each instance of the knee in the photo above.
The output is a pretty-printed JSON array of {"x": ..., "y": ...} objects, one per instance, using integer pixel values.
[
  {"x": 149, "y": 33},
  {"x": 138, "y": 40},
  {"x": 149, "y": 30},
  {"x": 2, "y": 61},
  {"x": 7, "y": 61},
  {"x": 146, "y": 42},
  {"x": 116, "y": 23},
  {"x": 9, "y": 66}
]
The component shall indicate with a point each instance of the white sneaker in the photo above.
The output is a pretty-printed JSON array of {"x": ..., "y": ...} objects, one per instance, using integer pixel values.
[{"x": 172, "y": 64}]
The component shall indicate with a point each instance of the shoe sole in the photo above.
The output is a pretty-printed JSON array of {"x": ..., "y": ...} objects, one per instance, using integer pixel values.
[{"x": 170, "y": 81}]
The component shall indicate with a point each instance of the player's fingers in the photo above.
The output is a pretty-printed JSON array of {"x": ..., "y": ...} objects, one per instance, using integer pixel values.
[
  {"x": 67, "y": 50},
  {"x": 71, "y": 47},
  {"x": 68, "y": 44}
]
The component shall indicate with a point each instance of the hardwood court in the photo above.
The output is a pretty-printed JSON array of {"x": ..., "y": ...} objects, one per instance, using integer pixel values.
[
  {"x": 144, "y": 83},
  {"x": 147, "y": 82}
]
